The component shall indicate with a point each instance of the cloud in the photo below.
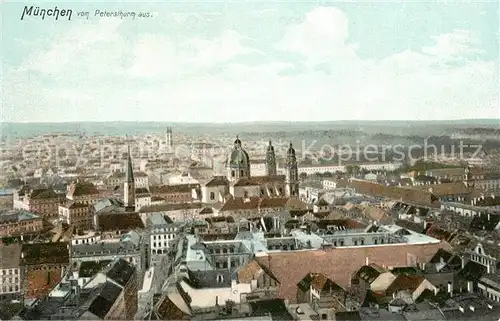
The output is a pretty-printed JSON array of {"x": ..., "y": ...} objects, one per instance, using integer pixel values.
[
  {"x": 95, "y": 72},
  {"x": 453, "y": 44},
  {"x": 322, "y": 34}
]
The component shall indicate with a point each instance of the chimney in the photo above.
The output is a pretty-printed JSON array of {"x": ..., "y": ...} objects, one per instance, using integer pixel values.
[
  {"x": 488, "y": 268},
  {"x": 461, "y": 309},
  {"x": 472, "y": 308},
  {"x": 22, "y": 255},
  {"x": 450, "y": 288},
  {"x": 367, "y": 261},
  {"x": 490, "y": 306}
]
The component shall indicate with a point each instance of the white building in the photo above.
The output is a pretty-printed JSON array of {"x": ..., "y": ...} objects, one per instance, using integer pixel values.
[
  {"x": 162, "y": 234},
  {"x": 10, "y": 280}
]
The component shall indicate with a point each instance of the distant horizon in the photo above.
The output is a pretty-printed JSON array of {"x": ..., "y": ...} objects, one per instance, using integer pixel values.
[{"x": 451, "y": 120}]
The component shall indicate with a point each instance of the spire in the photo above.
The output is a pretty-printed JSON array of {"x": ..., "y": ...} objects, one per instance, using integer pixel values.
[
  {"x": 270, "y": 147},
  {"x": 129, "y": 175}
]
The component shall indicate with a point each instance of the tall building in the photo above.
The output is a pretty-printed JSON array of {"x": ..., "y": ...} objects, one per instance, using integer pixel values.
[
  {"x": 238, "y": 163},
  {"x": 129, "y": 186},
  {"x": 168, "y": 137},
  {"x": 291, "y": 173},
  {"x": 270, "y": 160}
]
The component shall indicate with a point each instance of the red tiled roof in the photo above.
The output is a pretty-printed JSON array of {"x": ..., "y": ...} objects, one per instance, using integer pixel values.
[
  {"x": 339, "y": 264},
  {"x": 393, "y": 192}
]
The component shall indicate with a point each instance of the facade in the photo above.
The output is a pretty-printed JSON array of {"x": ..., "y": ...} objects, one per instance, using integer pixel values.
[
  {"x": 161, "y": 236},
  {"x": 76, "y": 214},
  {"x": 44, "y": 202},
  {"x": 180, "y": 193},
  {"x": 19, "y": 222},
  {"x": 240, "y": 183},
  {"x": 83, "y": 192},
  {"x": 130, "y": 248},
  {"x": 10, "y": 272},
  {"x": 117, "y": 178},
  {"x": 42, "y": 267}
]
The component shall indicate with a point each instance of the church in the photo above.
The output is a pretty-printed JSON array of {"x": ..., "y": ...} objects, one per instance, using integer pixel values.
[{"x": 239, "y": 183}]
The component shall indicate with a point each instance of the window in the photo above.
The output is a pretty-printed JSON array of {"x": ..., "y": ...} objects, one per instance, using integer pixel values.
[
  {"x": 341, "y": 243},
  {"x": 324, "y": 316},
  {"x": 212, "y": 196},
  {"x": 220, "y": 278},
  {"x": 355, "y": 242},
  {"x": 242, "y": 173},
  {"x": 232, "y": 174},
  {"x": 362, "y": 242},
  {"x": 245, "y": 194}
]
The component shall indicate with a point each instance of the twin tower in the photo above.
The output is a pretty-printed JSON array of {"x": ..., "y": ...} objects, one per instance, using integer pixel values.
[{"x": 238, "y": 166}]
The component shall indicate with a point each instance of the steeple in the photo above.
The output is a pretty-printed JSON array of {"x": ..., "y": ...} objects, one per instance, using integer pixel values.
[
  {"x": 270, "y": 160},
  {"x": 129, "y": 175},
  {"x": 291, "y": 173},
  {"x": 129, "y": 185}
]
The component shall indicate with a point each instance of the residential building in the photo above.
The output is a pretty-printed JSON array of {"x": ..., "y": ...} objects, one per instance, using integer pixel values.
[
  {"x": 19, "y": 222},
  {"x": 10, "y": 271},
  {"x": 161, "y": 236},
  {"x": 42, "y": 267}
]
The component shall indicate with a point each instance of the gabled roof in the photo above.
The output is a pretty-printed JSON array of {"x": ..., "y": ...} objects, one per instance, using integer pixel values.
[
  {"x": 217, "y": 181},
  {"x": 405, "y": 282},
  {"x": 318, "y": 282}
]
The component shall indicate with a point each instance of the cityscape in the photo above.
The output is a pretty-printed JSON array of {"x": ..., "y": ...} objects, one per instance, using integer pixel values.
[{"x": 250, "y": 161}]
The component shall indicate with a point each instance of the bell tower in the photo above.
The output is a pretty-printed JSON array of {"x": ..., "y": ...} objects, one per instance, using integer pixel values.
[
  {"x": 291, "y": 174},
  {"x": 129, "y": 186},
  {"x": 270, "y": 160}
]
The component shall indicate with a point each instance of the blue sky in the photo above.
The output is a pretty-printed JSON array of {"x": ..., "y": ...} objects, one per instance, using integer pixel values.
[{"x": 251, "y": 61}]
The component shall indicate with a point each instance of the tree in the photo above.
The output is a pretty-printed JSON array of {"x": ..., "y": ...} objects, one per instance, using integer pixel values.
[{"x": 303, "y": 175}]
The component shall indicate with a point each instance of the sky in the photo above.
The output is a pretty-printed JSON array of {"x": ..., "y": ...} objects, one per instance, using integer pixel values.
[{"x": 239, "y": 61}]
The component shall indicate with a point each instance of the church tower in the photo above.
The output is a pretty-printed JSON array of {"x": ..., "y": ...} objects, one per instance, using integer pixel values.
[
  {"x": 291, "y": 174},
  {"x": 168, "y": 137},
  {"x": 129, "y": 186},
  {"x": 270, "y": 160}
]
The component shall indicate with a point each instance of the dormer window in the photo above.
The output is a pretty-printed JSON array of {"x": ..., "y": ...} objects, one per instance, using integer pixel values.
[
  {"x": 479, "y": 250},
  {"x": 220, "y": 278}
]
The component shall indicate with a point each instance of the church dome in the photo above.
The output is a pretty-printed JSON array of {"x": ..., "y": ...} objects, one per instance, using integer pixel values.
[{"x": 239, "y": 157}]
